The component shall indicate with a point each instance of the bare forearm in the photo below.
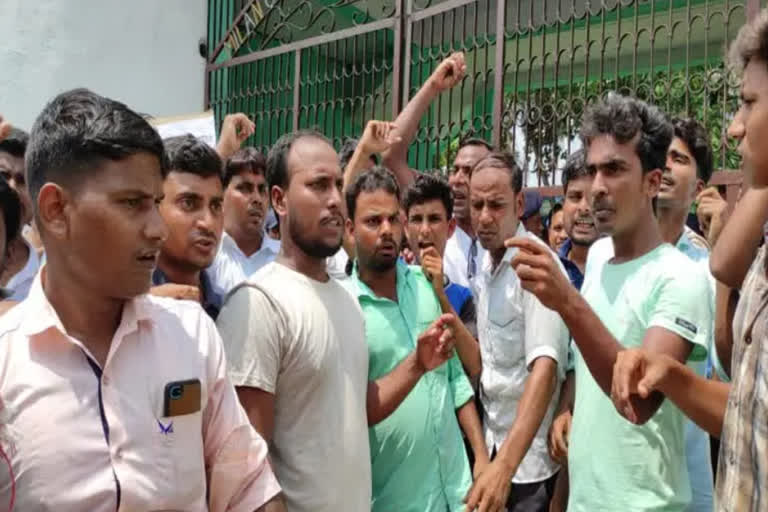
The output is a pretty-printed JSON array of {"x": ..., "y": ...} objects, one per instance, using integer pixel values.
[
  {"x": 466, "y": 345},
  {"x": 735, "y": 249},
  {"x": 725, "y": 308},
  {"x": 359, "y": 162},
  {"x": 531, "y": 410},
  {"x": 702, "y": 400},
  {"x": 597, "y": 345},
  {"x": 470, "y": 424},
  {"x": 388, "y": 392},
  {"x": 567, "y": 393}
]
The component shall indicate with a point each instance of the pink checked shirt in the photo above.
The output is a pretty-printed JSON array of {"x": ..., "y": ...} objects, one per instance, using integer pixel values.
[{"x": 78, "y": 437}]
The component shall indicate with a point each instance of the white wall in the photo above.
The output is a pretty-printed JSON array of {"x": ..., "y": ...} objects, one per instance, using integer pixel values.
[{"x": 141, "y": 52}]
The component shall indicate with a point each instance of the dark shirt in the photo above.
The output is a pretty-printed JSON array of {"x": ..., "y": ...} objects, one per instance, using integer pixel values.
[
  {"x": 574, "y": 274},
  {"x": 461, "y": 299},
  {"x": 212, "y": 301}
]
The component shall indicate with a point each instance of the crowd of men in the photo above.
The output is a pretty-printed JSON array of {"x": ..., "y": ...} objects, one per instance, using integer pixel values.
[{"x": 194, "y": 328}]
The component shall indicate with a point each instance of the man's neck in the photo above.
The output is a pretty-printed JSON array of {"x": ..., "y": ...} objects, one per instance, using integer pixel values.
[
  {"x": 672, "y": 223},
  {"x": 249, "y": 245},
  {"x": 465, "y": 224},
  {"x": 173, "y": 274},
  {"x": 645, "y": 237},
  {"x": 293, "y": 257},
  {"x": 86, "y": 316},
  {"x": 578, "y": 255},
  {"x": 383, "y": 284}
]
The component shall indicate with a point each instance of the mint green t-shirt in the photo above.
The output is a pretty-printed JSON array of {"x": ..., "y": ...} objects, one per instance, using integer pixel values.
[{"x": 614, "y": 464}]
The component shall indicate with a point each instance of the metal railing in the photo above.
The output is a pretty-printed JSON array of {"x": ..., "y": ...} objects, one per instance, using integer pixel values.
[{"x": 533, "y": 66}]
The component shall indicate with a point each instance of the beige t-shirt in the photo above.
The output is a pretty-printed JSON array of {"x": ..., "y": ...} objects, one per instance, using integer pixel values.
[{"x": 304, "y": 341}]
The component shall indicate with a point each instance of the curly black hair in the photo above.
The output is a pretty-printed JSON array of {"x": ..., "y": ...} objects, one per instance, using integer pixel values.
[
  {"x": 427, "y": 187},
  {"x": 695, "y": 137}
]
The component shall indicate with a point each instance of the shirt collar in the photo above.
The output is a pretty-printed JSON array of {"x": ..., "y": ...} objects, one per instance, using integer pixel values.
[
  {"x": 364, "y": 291},
  {"x": 506, "y": 259},
  {"x": 30, "y": 268},
  {"x": 41, "y": 315},
  {"x": 565, "y": 249},
  {"x": 268, "y": 244}
]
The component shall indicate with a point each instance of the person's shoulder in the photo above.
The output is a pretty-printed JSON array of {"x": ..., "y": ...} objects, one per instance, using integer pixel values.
[
  {"x": 674, "y": 267},
  {"x": 12, "y": 318}
]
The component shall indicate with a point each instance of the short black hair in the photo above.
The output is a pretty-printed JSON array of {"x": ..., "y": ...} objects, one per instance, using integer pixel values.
[
  {"x": 623, "y": 118},
  {"x": 245, "y": 159},
  {"x": 187, "y": 153},
  {"x": 575, "y": 167},
  {"x": 470, "y": 140},
  {"x": 11, "y": 207},
  {"x": 427, "y": 187},
  {"x": 696, "y": 138},
  {"x": 77, "y": 132},
  {"x": 378, "y": 178},
  {"x": 557, "y": 207},
  {"x": 277, "y": 159},
  {"x": 506, "y": 161},
  {"x": 346, "y": 151},
  {"x": 15, "y": 144}
]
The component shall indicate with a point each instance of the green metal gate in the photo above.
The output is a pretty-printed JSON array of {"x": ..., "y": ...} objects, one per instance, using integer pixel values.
[{"x": 533, "y": 65}]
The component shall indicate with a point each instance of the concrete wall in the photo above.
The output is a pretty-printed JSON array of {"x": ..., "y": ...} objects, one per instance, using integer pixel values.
[{"x": 141, "y": 52}]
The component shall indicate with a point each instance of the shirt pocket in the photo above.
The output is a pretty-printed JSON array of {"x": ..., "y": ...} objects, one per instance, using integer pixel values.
[
  {"x": 507, "y": 326},
  {"x": 178, "y": 444}
]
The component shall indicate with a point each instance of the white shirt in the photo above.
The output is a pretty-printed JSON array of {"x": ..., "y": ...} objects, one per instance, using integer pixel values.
[
  {"x": 231, "y": 266},
  {"x": 515, "y": 329},
  {"x": 304, "y": 342},
  {"x": 456, "y": 257},
  {"x": 22, "y": 281},
  {"x": 336, "y": 265},
  {"x": 80, "y": 436}
]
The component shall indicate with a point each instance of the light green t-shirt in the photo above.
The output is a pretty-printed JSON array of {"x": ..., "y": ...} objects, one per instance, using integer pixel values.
[
  {"x": 614, "y": 464},
  {"x": 418, "y": 459}
]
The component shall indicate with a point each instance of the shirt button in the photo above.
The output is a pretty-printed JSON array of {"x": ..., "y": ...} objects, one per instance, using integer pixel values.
[
  {"x": 748, "y": 339},
  {"x": 119, "y": 453},
  {"x": 105, "y": 380}
]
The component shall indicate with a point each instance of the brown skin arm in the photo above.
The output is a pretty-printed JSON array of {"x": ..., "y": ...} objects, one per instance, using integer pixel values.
[
  {"x": 259, "y": 405},
  {"x": 470, "y": 425},
  {"x": 273, "y": 505},
  {"x": 726, "y": 300}
]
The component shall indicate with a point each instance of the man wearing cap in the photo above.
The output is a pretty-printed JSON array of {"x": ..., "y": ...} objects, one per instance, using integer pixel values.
[{"x": 531, "y": 216}]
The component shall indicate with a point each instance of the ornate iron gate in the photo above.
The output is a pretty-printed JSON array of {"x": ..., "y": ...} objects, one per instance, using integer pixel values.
[{"x": 533, "y": 65}]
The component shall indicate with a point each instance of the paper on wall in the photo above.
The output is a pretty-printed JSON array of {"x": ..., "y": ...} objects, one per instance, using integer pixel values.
[{"x": 202, "y": 126}]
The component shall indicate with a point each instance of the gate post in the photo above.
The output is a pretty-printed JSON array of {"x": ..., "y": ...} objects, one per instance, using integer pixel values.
[
  {"x": 296, "y": 88},
  {"x": 397, "y": 61},
  {"x": 498, "y": 74}
]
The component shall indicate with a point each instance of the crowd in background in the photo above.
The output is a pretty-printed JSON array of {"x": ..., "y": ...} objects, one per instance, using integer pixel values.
[{"x": 194, "y": 328}]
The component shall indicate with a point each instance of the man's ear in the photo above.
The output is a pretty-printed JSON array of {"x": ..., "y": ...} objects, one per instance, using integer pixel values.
[
  {"x": 54, "y": 210},
  {"x": 653, "y": 182},
  {"x": 451, "y": 226}
]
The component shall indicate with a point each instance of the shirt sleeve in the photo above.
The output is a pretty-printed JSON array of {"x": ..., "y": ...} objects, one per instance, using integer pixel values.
[
  {"x": 681, "y": 305},
  {"x": 457, "y": 379},
  {"x": 252, "y": 326},
  {"x": 240, "y": 478}
]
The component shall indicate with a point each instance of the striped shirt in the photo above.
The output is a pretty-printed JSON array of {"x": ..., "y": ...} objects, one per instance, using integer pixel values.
[{"x": 742, "y": 483}]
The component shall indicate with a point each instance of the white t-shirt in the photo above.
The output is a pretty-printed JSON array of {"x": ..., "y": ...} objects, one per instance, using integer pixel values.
[
  {"x": 304, "y": 341},
  {"x": 514, "y": 329}
]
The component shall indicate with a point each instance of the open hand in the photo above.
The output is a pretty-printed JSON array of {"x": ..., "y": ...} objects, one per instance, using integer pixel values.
[
  {"x": 435, "y": 345},
  {"x": 176, "y": 291},
  {"x": 449, "y": 73}
]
